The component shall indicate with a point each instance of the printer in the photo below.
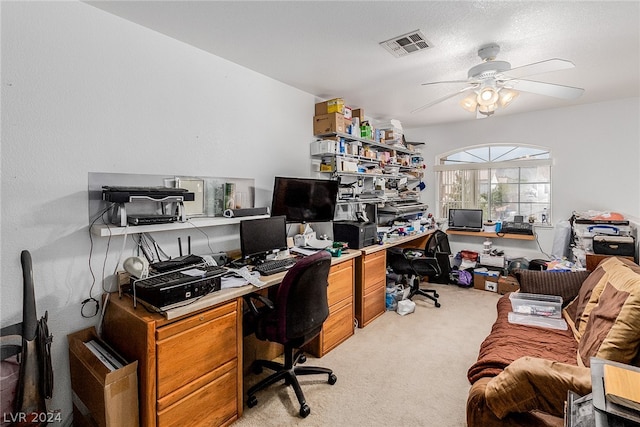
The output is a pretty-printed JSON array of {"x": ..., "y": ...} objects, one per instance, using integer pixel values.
[{"x": 356, "y": 234}]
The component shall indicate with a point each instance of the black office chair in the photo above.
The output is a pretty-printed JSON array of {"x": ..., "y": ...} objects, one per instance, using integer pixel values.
[
  {"x": 293, "y": 319},
  {"x": 431, "y": 262}
]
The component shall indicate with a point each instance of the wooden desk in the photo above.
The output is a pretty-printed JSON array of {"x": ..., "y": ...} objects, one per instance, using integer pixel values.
[
  {"x": 192, "y": 358},
  {"x": 371, "y": 276}
]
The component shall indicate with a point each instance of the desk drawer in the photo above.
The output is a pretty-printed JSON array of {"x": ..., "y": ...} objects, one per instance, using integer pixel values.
[
  {"x": 373, "y": 304},
  {"x": 186, "y": 354},
  {"x": 340, "y": 282},
  {"x": 338, "y": 327},
  {"x": 214, "y": 404},
  {"x": 374, "y": 270}
]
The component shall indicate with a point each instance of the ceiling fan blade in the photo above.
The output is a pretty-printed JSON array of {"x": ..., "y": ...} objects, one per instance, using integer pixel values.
[
  {"x": 445, "y": 81},
  {"x": 538, "y": 68},
  {"x": 444, "y": 98},
  {"x": 548, "y": 89}
]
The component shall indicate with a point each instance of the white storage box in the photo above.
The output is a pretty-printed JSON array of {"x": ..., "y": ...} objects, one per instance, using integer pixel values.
[
  {"x": 492, "y": 260},
  {"x": 536, "y": 304},
  {"x": 544, "y": 322},
  {"x": 324, "y": 147}
]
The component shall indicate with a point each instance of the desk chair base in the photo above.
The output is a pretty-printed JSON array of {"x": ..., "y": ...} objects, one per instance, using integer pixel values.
[
  {"x": 432, "y": 294},
  {"x": 287, "y": 372}
]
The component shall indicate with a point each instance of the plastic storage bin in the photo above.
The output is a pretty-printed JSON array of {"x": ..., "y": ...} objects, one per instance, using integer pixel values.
[{"x": 536, "y": 304}]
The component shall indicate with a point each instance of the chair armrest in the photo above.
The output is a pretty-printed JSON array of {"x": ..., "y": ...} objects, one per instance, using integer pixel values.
[{"x": 251, "y": 302}]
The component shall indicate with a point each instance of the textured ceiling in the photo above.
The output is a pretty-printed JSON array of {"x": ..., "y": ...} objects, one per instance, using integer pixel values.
[{"x": 331, "y": 49}]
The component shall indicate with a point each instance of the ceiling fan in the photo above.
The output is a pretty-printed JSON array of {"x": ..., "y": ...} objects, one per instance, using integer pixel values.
[{"x": 492, "y": 84}]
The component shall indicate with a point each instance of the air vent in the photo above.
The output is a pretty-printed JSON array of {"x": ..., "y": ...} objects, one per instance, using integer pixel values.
[{"x": 408, "y": 43}]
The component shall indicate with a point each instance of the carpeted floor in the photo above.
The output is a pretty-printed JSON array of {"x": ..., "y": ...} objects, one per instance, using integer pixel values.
[{"x": 398, "y": 371}]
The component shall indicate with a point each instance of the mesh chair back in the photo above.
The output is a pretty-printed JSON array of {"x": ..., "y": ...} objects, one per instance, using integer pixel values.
[{"x": 438, "y": 241}]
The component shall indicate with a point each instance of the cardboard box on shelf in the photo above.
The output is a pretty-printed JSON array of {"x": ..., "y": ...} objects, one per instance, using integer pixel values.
[
  {"x": 102, "y": 396},
  {"x": 335, "y": 105},
  {"x": 358, "y": 113},
  {"x": 330, "y": 123}
]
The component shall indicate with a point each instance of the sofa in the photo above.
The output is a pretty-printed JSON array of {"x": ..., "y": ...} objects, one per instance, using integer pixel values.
[{"x": 523, "y": 373}]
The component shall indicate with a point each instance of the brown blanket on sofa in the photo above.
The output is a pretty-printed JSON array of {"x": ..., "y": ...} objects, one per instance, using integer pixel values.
[{"x": 508, "y": 342}]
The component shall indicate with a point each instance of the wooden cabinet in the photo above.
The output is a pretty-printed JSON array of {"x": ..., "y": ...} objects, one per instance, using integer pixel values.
[
  {"x": 339, "y": 325},
  {"x": 371, "y": 270},
  {"x": 184, "y": 365},
  {"x": 594, "y": 259}
]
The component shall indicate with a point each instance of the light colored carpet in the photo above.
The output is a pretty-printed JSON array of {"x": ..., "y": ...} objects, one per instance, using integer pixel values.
[{"x": 398, "y": 371}]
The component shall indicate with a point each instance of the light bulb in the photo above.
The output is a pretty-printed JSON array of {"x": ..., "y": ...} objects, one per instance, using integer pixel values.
[{"x": 487, "y": 96}]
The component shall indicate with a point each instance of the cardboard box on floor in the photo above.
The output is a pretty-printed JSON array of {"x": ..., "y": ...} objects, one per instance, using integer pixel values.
[
  {"x": 507, "y": 284},
  {"x": 101, "y": 397},
  {"x": 485, "y": 282}
]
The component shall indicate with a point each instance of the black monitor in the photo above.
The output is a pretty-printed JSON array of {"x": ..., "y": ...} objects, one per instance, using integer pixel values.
[
  {"x": 304, "y": 199},
  {"x": 465, "y": 218},
  {"x": 262, "y": 236}
]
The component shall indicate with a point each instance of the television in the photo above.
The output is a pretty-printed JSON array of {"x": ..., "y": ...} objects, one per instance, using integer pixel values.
[
  {"x": 262, "y": 236},
  {"x": 304, "y": 199},
  {"x": 465, "y": 218}
]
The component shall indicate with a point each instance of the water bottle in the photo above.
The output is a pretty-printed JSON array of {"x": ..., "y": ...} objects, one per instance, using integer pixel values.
[{"x": 498, "y": 226}]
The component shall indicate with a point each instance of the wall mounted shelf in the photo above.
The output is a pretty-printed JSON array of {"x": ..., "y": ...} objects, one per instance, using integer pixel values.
[
  {"x": 103, "y": 230},
  {"x": 492, "y": 235}
]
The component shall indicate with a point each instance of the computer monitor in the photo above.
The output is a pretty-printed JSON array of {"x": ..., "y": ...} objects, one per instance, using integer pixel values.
[
  {"x": 263, "y": 236},
  {"x": 304, "y": 199},
  {"x": 465, "y": 218}
]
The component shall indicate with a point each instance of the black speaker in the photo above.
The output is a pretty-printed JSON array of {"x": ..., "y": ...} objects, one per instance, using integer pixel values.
[{"x": 235, "y": 213}]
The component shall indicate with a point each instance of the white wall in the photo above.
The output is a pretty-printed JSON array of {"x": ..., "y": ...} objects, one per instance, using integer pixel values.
[
  {"x": 595, "y": 151},
  {"x": 85, "y": 91}
]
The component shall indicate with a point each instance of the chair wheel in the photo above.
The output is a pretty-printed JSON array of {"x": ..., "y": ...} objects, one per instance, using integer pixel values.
[
  {"x": 437, "y": 304},
  {"x": 302, "y": 358},
  {"x": 332, "y": 379},
  {"x": 436, "y": 295},
  {"x": 305, "y": 410},
  {"x": 252, "y": 401}
]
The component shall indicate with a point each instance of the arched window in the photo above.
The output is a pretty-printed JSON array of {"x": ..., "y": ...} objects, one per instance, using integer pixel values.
[{"x": 504, "y": 180}]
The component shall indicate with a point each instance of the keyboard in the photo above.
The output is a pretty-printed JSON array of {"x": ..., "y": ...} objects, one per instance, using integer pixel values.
[
  {"x": 475, "y": 230},
  {"x": 274, "y": 266}
]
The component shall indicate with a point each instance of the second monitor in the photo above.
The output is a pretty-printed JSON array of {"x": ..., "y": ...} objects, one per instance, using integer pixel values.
[{"x": 262, "y": 237}]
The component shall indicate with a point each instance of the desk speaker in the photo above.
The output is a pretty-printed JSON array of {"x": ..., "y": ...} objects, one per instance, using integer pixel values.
[{"x": 235, "y": 213}]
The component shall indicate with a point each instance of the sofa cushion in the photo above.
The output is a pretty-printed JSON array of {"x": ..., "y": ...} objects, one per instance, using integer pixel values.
[
  {"x": 608, "y": 323},
  {"x": 531, "y": 383},
  {"x": 563, "y": 283}
]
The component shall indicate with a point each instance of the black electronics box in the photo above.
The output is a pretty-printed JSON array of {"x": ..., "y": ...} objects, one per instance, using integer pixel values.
[
  {"x": 614, "y": 245},
  {"x": 356, "y": 234}
]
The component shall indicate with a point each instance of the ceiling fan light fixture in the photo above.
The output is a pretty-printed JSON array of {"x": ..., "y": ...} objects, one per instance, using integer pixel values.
[
  {"x": 507, "y": 96},
  {"x": 487, "y": 110},
  {"x": 488, "y": 96},
  {"x": 469, "y": 103}
]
